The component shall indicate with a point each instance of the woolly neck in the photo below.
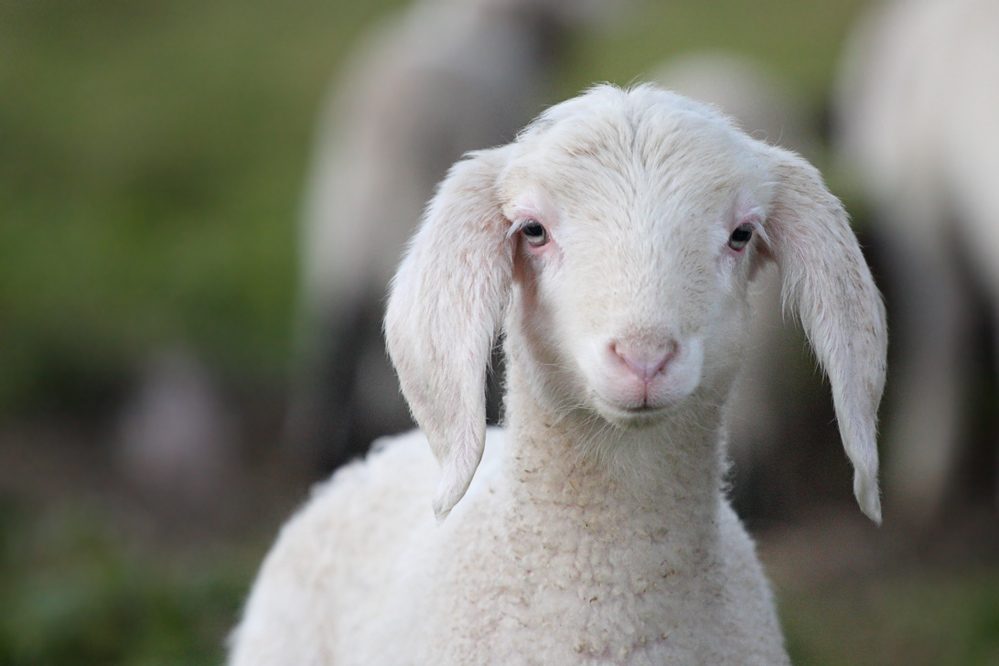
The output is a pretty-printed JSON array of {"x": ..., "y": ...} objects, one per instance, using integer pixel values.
[{"x": 657, "y": 478}]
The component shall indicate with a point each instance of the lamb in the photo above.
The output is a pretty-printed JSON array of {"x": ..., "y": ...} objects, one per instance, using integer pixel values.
[
  {"x": 916, "y": 108},
  {"x": 615, "y": 237}
]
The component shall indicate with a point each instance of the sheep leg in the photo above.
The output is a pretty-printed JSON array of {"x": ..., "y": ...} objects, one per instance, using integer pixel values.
[
  {"x": 931, "y": 368},
  {"x": 319, "y": 422}
]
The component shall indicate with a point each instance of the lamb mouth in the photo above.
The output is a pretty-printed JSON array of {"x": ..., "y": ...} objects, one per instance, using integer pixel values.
[{"x": 634, "y": 416}]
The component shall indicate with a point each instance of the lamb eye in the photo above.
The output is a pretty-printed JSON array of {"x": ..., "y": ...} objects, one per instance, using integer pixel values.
[
  {"x": 740, "y": 237},
  {"x": 535, "y": 234}
]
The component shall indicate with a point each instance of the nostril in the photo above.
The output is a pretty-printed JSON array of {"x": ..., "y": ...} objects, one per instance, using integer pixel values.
[{"x": 645, "y": 363}]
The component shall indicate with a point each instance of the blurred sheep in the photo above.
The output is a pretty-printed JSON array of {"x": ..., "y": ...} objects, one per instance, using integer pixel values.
[
  {"x": 778, "y": 393},
  {"x": 764, "y": 105},
  {"x": 439, "y": 79},
  {"x": 917, "y": 109}
]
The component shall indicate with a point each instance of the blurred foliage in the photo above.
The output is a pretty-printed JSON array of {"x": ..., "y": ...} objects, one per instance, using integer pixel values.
[
  {"x": 72, "y": 594},
  {"x": 152, "y": 155},
  {"x": 800, "y": 39}
]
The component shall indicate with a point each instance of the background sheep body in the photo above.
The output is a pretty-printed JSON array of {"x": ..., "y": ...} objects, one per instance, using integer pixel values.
[
  {"x": 596, "y": 527},
  {"x": 916, "y": 104},
  {"x": 438, "y": 79}
]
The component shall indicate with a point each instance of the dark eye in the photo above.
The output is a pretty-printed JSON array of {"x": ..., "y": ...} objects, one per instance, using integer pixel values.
[
  {"x": 740, "y": 237},
  {"x": 535, "y": 234}
]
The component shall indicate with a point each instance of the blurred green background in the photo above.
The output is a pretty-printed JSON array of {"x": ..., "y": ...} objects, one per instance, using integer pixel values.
[{"x": 152, "y": 159}]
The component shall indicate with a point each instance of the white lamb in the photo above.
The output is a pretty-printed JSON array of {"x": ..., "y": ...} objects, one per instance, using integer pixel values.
[
  {"x": 616, "y": 237},
  {"x": 918, "y": 122}
]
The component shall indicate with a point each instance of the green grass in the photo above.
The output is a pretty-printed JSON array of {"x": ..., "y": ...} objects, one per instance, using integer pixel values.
[
  {"x": 74, "y": 593},
  {"x": 914, "y": 617}
]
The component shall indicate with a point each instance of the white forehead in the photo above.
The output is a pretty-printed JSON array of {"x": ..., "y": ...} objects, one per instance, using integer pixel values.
[{"x": 644, "y": 148}]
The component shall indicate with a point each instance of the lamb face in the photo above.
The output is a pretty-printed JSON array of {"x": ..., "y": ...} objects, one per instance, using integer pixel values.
[
  {"x": 632, "y": 258},
  {"x": 622, "y": 222}
]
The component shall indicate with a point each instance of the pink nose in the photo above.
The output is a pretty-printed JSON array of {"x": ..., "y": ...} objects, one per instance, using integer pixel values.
[{"x": 645, "y": 363}]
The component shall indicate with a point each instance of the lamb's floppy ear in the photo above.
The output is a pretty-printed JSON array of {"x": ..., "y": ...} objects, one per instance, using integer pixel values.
[
  {"x": 827, "y": 283},
  {"x": 445, "y": 308}
]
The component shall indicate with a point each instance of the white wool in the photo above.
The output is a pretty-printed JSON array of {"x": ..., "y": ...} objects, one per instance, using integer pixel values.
[{"x": 593, "y": 528}]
